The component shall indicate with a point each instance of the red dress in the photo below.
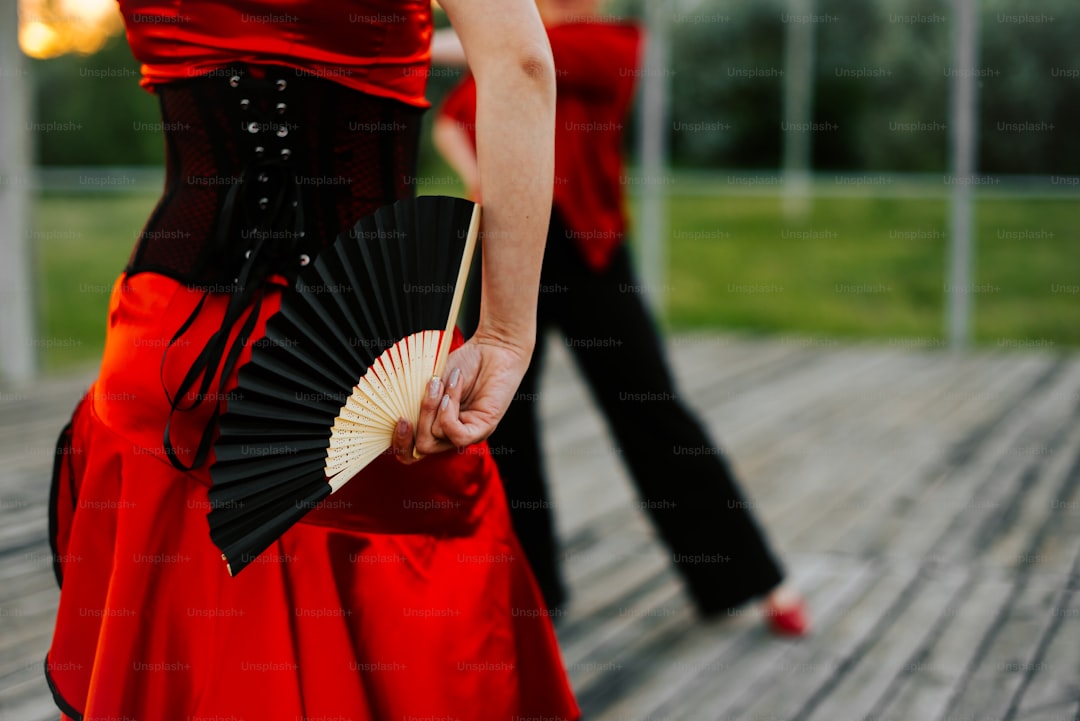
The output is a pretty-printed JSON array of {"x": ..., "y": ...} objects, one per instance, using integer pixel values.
[
  {"x": 380, "y": 47},
  {"x": 345, "y": 617}
]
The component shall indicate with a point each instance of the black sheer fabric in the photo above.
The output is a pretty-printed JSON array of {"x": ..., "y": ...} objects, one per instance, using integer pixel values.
[{"x": 241, "y": 149}]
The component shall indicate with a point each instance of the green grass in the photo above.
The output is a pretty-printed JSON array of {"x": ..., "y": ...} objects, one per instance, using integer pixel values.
[
  {"x": 81, "y": 243},
  {"x": 853, "y": 268},
  {"x": 872, "y": 268}
]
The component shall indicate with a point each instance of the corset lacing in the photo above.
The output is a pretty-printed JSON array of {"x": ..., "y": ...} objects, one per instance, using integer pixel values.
[{"x": 264, "y": 201}]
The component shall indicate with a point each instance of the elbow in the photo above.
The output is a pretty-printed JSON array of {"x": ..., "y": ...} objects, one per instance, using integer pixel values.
[
  {"x": 524, "y": 72},
  {"x": 537, "y": 66}
]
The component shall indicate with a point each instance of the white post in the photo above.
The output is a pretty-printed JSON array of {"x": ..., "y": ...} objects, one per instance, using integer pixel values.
[
  {"x": 963, "y": 101},
  {"x": 17, "y": 356},
  {"x": 798, "y": 107},
  {"x": 652, "y": 144}
]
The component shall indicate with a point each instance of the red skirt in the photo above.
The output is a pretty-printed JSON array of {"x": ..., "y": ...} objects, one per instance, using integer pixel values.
[{"x": 404, "y": 596}]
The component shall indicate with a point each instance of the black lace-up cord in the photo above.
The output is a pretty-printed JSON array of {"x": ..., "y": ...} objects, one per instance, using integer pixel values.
[{"x": 271, "y": 253}]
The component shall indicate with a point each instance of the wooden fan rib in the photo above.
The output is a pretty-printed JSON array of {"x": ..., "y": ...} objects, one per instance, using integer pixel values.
[
  {"x": 459, "y": 290},
  {"x": 391, "y": 370},
  {"x": 345, "y": 472},
  {"x": 347, "y": 443},
  {"x": 344, "y": 426},
  {"x": 378, "y": 379},
  {"x": 426, "y": 370},
  {"x": 369, "y": 388},
  {"x": 362, "y": 410},
  {"x": 348, "y": 458}
]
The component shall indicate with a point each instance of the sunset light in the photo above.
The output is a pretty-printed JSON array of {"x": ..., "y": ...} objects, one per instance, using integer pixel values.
[{"x": 48, "y": 28}]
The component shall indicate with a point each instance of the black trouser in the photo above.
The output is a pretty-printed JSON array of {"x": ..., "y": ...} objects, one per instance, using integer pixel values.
[{"x": 682, "y": 477}]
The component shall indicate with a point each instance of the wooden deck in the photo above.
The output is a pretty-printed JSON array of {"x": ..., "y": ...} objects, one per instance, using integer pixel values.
[{"x": 927, "y": 503}]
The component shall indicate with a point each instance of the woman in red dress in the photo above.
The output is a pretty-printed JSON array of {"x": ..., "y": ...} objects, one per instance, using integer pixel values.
[
  {"x": 588, "y": 292},
  {"x": 406, "y": 594}
]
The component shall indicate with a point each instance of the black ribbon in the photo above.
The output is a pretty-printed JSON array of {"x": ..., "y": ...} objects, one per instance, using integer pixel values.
[{"x": 267, "y": 195}]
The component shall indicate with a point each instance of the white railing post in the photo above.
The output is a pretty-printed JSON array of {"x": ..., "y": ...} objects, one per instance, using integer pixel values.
[
  {"x": 798, "y": 107},
  {"x": 963, "y": 108},
  {"x": 17, "y": 352},
  {"x": 652, "y": 147}
]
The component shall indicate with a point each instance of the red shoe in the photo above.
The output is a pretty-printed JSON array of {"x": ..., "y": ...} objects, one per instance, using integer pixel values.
[{"x": 793, "y": 620}]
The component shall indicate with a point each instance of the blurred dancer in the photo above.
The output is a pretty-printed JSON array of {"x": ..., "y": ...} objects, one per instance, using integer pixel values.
[{"x": 589, "y": 292}]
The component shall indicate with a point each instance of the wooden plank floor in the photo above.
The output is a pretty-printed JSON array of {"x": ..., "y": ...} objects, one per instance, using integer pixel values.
[{"x": 928, "y": 504}]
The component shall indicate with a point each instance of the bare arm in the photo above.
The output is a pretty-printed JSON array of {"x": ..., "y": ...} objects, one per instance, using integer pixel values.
[
  {"x": 510, "y": 58},
  {"x": 509, "y": 55}
]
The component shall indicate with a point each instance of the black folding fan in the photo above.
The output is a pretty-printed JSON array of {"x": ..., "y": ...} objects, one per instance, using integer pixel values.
[{"x": 351, "y": 349}]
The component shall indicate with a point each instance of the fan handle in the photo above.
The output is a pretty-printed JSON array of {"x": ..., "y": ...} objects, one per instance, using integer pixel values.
[{"x": 459, "y": 292}]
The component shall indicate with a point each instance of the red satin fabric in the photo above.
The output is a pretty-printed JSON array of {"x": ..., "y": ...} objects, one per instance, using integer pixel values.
[
  {"x": 344, "y": 617},
  {"x": 380, "y": 47},
  {"x": 596, "y": 69}
]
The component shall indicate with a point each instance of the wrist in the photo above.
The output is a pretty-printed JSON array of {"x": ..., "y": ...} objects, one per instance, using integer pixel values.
[{"x": 519, "y": 338}]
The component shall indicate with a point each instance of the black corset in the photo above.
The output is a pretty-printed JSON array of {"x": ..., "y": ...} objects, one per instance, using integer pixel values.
[
  {"x": 264, "y": 167},
  {"x": 264, "y": 171}
]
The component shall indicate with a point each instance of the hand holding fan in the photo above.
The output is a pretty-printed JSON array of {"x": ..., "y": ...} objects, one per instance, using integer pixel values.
[{"x": 350, "y": 351}]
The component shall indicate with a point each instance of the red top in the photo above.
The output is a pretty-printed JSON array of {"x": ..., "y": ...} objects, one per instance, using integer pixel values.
[
  {"x": 596, "y": 65},
  {"x": 380, "y": 47}
]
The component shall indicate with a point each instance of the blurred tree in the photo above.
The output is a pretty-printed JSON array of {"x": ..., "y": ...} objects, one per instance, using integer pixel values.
[
  {"x": 727, "y": 84},
  {"x": 903, "y": 123},
  {"x": 1030, "y": 99},
  {"x": 90, "y": 110},
  {"x": 882, "y": 79},
  {"x": 880, "y": 82}
]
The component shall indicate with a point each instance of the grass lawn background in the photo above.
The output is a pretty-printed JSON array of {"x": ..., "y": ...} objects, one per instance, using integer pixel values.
[{"x": 854, "y": 268}]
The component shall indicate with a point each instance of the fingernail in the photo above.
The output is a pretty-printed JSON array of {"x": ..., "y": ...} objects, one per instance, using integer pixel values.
[
  {"x": 445, "y": 402},
  {"x": 433, "y": 387},
  {"x": 402, "y": 428},
  {"x": 455, "y": 376}
]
